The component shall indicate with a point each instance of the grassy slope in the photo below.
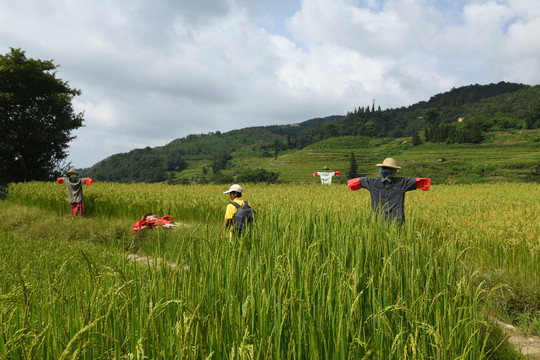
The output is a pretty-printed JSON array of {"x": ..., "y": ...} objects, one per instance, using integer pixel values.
[{"x": 503, "y": 156}]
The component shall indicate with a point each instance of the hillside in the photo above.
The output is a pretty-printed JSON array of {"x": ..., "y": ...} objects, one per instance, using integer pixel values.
[
  {"x": 503, "y": 156},
  {"x": 466, "y": 126}
]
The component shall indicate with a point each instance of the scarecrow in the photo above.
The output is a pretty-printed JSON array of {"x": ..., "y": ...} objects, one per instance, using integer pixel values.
[
  {"x": 326, "y": 177},
  {"x": 75, "y": 194},
  {"x": 388, "y": 192}
]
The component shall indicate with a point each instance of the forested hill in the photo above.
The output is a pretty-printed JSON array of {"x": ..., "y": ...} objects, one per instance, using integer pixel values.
[{"x": 461, "y": 115}]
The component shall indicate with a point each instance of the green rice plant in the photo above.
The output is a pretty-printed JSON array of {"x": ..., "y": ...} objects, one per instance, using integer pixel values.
[{"x": 318, "y": 276}]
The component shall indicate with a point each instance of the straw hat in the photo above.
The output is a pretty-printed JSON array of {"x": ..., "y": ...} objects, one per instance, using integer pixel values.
[
  {"x": 389, "y": 162},
  {"x": 326, "y": 168},
  {"x": 72, "y": 171},
  {"x": 236, "y": 188}
]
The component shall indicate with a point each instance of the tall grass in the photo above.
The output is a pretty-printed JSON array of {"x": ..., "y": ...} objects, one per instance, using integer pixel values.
[
  {"x": 125, "y": 200},
  {"x": 319, "y": 277}
]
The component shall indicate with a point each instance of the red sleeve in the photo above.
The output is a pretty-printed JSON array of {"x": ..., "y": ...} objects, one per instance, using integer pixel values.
[
  {"x": 337, "y": 173},
  {"x": 60, "y": 180},
  {"x": 354, "y": 184},
  {"x": 88, "y": 181},
  {"x": 315, "y": 174},
  {"x": 423, "y": 183},
  {"x": 164, "y": 220}
]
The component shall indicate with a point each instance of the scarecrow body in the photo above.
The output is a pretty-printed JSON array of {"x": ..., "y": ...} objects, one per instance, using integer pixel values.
[
  {"x": 75, "y": 193},
  {"x": 326, "y": 177},
  {"x": 388, "y": 192}
]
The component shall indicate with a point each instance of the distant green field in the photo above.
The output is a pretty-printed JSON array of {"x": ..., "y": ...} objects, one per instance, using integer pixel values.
[{"x": 504, "y": 156}]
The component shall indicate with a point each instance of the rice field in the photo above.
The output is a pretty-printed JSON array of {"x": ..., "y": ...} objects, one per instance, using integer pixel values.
[{"x": 319, "y": 277}]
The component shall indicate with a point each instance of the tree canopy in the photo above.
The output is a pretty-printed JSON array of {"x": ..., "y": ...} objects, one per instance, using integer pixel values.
[{"x": 36, "y": 118}]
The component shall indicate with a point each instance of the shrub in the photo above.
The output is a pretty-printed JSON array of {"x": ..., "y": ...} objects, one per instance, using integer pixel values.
[
  {"x": 258, "y": 176},
  {"x": 535, "y": 173}
]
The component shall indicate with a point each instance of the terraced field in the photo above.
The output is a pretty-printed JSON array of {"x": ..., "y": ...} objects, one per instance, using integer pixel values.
[
  {"x": 504, "y": 156},
  {"x": 501, "y": 158}
]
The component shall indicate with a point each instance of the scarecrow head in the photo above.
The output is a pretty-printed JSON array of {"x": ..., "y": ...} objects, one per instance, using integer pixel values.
[{"x": 388, "y": 168}]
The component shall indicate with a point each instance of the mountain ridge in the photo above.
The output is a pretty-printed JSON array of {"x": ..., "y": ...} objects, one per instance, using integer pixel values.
[{"x": 460, "y": 115}]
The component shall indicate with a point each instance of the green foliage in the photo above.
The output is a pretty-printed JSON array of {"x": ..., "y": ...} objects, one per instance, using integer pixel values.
[
  {"x": 310, "y": 283},
  {"x": 532, "y": 117},
  {"x": 472, "y": 93},
  {"x": 36, "y": 118},
  {"x": 497, "y": 342},
  {"x": 139, "y": 165},
  {"x": 432, "y": 116},
  {"x": 349, "y": 142},
  {"x": 454, "y": 133},
  {"x": 416, "y": 139},
  {"x": 221, "y": 178},
  {"x": 257, "y": 176},
  {"x": 220, "y": 161},
  {"x": 175, "y": 161},
  {"x": 535, "y": 173},
  {"x": 353, "y": 168}
]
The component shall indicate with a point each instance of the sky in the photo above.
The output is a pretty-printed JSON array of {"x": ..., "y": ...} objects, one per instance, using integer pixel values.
[{"x": 154, "y": 71}]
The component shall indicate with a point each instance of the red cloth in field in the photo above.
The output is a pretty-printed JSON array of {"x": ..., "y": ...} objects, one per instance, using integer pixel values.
[
  {"x": 144, "y": 224},
  {"x": 337, "y": 173},
  {"x": 423, "y": 183}
]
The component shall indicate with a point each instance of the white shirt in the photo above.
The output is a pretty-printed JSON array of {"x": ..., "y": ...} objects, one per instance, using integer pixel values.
[{"x": 326, "y": 177}]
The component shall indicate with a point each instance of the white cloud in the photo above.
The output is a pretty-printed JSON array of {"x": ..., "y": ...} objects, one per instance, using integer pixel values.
[
  {"x": 151, "y": 72},
  {"x": 523, "y": 39}
]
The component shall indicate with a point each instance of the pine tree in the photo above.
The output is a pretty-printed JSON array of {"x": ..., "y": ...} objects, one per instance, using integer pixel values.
[
  {"x": 353, "y": 169},
  {"x": 534, "y": 176},
  {"x": 416, "y": 139},
  {"x": 475, "y": 134}
]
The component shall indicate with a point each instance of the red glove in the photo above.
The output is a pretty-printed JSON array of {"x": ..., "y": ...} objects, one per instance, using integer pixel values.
[
  {"x": 423, "y": 183},
  {"x": 354, "y": 184}
]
